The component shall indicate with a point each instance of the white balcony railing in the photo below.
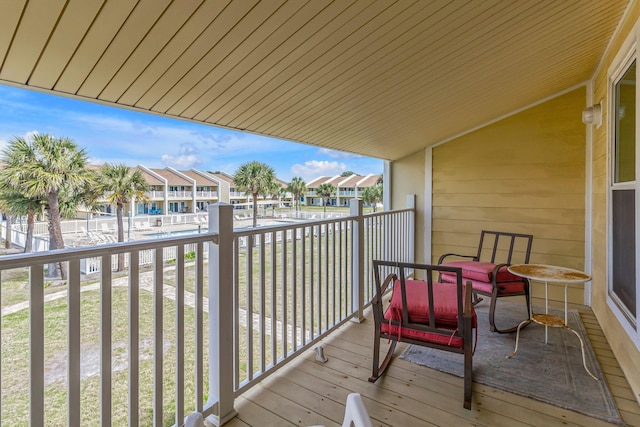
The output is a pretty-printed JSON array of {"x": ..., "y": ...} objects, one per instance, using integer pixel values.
[
  {"x": 179, "y": 194},
  {"x": 155, "y": 194},
  {"x": 206, "y": 194},
  {"x": 165, "y": 337}
]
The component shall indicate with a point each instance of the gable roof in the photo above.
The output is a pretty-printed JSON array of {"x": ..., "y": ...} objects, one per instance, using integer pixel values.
[
  {"x": 355, "y": 76},
  {"x": 200, "y": 178},
  {"x": 223, "y": 176},
  {"x": 171, "y": 177}
]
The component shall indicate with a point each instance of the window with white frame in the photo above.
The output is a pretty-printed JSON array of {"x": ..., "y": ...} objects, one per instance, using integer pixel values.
[{"x": 623, "y": 242}]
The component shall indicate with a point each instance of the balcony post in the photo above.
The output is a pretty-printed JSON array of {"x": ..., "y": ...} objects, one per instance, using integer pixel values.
[
  {"x": 221, "y": 313},
  {"x": 411, "y": 204},
  {"x": 357, "y": 259}
]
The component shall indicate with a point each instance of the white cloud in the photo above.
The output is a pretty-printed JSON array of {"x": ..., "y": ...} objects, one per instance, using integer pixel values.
[
  {"x": 315, "y": 168},
  {"x": 102, "y": 122},
  {"x": 181, "y": 162},
  {"x": 30, "y": 134},
  {"x": 187, "y": 159},
  {"x": 334, "y": 154}
]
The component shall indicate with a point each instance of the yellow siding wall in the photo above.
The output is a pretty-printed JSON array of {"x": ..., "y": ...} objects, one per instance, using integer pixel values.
[
  {"x": 408, "y": 178},
  {"x": 626, "y": 352},
  {"x": 523, "y": 174}
]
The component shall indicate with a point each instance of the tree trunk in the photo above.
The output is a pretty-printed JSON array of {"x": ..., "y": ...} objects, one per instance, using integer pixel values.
[
  {"x": 31, "y": 219},
  {"x": 7, "y": 237},
  {"x": 119, "y": 210},
  {"x": 55, "y": 231},
  {"x": 255, "y": 210}
]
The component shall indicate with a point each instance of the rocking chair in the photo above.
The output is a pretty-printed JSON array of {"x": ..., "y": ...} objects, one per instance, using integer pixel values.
[
  {"x": 492, "y": 279},
  {"x": 425, "y": 313}
]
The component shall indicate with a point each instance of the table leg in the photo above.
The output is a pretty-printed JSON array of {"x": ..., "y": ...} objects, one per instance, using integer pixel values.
[
  {"x": 546, "y": 310},
  {"x": 584, "y": 359},
  {"x": 565, "y": 303},
  {"x": 524, "y": 322}
]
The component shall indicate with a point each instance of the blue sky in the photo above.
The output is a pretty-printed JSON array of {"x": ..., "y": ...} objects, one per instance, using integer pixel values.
[{"x": 117, "y": 135}]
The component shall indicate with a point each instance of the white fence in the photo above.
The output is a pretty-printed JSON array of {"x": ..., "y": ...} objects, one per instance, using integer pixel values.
[
  {"x": 96, "y": 224},
  {"x": 19, "y": 238}
]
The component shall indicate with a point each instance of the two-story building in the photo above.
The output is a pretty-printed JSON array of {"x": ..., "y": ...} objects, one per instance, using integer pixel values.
[
  {"x": 174, "y": 191},
  {"x": 346, "y": 189}
]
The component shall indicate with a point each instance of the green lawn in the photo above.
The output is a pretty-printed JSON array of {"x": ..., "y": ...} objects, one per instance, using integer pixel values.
[{"x": 15, "y": 335}]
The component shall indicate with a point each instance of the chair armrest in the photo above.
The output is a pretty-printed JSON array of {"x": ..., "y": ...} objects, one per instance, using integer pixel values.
[
  {"x": 494, "y": 275},
  {"x": 468, "y": 305},
  {"x": 376, "y": 302},
  {"x": 442, "y": 257}
]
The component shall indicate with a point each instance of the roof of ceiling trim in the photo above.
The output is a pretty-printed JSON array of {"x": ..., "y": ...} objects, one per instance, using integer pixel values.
[{"x": 378, "y": 78}]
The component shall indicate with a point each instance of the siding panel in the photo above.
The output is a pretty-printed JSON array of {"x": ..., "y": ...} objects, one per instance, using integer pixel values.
[{"x": 522, "y": 174}]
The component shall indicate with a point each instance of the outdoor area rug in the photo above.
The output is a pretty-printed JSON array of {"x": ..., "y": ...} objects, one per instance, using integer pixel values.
[{"x": 551, "y": 373}]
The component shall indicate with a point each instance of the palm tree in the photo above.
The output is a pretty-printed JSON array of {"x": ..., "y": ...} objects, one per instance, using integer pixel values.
[
  {"x": 297, "y": 187},
  {"x": 41, "y": 168},
  {"x": 254, "y": 178},
  {"x": 277, "y": 194},
  {"x": 122, "y": 185},
  {"x": 15, "y": 203},
  {"x": 372, "y": 195},
  {"x": 326, "y": 191}
]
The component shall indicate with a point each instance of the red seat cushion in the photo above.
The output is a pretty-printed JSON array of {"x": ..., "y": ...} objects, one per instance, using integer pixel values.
[
  {"x": 504, "y": 288},
  {"x": 483, "y": 271},
  {"x": 433, "y": 337},
  {"x": 445, "y": 299}
]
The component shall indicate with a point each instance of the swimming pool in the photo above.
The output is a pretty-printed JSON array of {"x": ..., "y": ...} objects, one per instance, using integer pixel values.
[{"x": 175, "y": 233}]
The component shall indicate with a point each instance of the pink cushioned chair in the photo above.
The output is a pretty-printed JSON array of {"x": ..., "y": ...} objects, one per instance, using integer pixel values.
[
  {"x": 490, "y": 277},
  {"x": 423, "y": 312}
]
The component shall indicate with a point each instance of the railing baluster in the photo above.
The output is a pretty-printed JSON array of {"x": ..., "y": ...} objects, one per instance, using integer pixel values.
[
  {"x": 249, "y": 312},
  {"x": 236, "y": 311},
  {"x": 311, "y": 277},
  {"x": 274, "y": 317},
  {"x": 263, "y": 344},
  {"x": 105, "y": 341},
  {"x": 333, "y": 272},
  {"x": 36, "y": 351},
  {"x": 294, "y": 287},
  {"x": 179, "y": 290},
  {"x": 134, "y": 338},
  {"x": 303, "y": 299},
  {"x": 326, "y": 276},
  {"x": 341, "y": 273},
  {"x": 73, "y": 344},
  {"x": 285, "y": 318},
  {"x": 319, "y": 282},
  {"x": 158, "y": 292},
  {"x": 199, "y": 326}
]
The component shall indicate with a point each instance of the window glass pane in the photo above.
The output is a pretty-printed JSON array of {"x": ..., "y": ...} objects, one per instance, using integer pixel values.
[
  {"x": 623, "y": 263},
  {"x": 625, "y": 110}
]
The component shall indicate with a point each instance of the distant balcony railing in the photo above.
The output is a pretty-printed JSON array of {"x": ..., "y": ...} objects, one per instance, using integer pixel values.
[
  {"x": 272, "y": 291},
  {"x": 179, "y": 194},
  {"x": 206, "y": 194},
  {"x": 155, "y": 194}
]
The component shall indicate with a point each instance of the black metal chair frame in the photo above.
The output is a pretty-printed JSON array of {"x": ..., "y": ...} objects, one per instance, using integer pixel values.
[
  {"x": 464, "y": 319},
  {"x": 495, "y": 292}
]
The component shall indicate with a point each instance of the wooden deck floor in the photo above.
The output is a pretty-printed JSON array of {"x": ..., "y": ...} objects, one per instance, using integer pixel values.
[{"x": 306, "y": 392}]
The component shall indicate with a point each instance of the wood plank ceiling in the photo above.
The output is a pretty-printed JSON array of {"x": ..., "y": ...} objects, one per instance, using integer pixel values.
[{"x": 378, "y": 78}]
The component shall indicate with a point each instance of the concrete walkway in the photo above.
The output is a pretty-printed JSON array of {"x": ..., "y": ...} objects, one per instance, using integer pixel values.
[{"x": 169, "y": 291}]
